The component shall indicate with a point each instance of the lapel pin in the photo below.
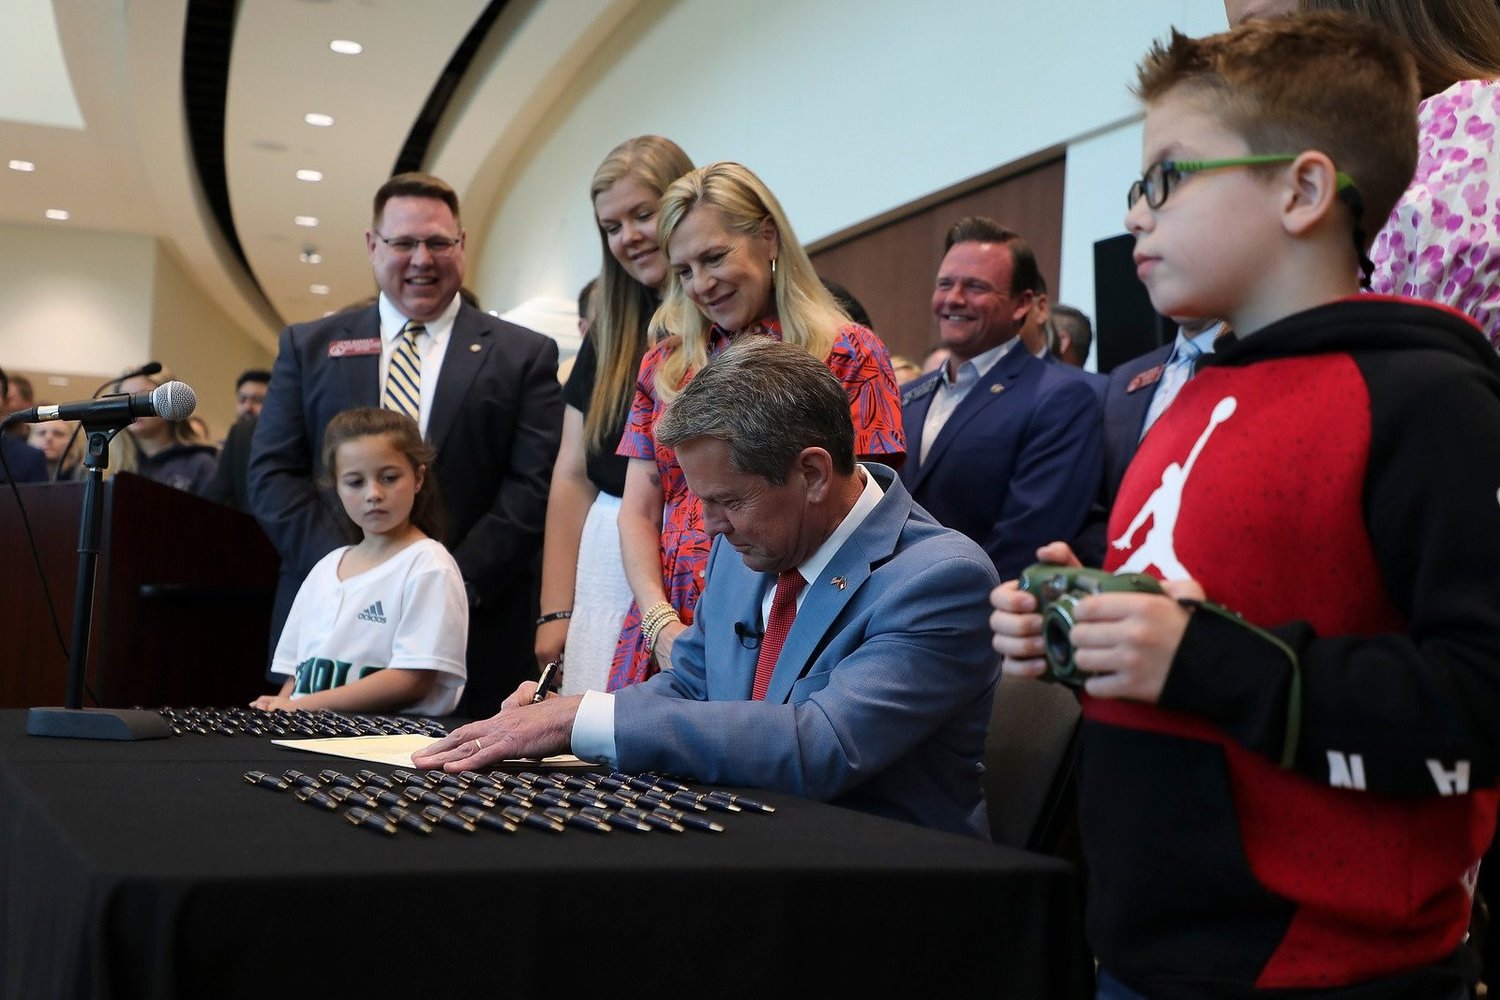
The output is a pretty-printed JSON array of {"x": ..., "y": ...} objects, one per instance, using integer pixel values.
[
  {"x": 474, "y": 348},
  {"x": 996, "y": 390},
  {"x": 839, "y": 582},
  {"x": 1145, "y": 378}
]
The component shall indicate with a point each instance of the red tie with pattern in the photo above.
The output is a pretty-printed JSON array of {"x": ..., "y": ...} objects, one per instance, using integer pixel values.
[{"x": 783, "y": 613}]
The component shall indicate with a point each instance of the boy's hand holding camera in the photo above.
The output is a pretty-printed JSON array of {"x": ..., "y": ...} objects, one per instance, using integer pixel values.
[{"x": 1123, "y": 640}]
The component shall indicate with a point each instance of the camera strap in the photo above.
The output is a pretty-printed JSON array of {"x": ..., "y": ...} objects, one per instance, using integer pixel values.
[{"x": 1294, "y": 692}]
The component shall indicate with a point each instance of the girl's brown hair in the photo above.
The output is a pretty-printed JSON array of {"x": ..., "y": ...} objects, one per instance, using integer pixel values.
[{"x": 427, "y": 511}]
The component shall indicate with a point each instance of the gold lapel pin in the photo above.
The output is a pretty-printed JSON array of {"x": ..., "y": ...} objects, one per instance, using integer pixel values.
[
  {"x": 996, "y": 390},
  {"x": 474, "y": 348},
  {"x": 839, "y": 582}
]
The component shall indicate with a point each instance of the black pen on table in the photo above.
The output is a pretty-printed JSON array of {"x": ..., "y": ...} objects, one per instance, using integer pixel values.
[{"x": 545, "y": 682}]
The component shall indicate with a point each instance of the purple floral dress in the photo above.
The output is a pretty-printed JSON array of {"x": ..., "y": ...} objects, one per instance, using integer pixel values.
[
  {"x": 1442, "y": 241},
  {"x": 859, "y": 359}
]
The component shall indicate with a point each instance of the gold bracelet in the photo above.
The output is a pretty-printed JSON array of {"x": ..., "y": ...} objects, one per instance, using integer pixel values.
[
  {"x": 651, "y": 631},
  {"x": 657, "y": 609},
  {"x": 656, "y": 614},
  {"x": 656, "y": 618}
]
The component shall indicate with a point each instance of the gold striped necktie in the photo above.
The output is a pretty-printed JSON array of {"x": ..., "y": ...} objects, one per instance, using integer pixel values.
[{"x": 403, "y": 382}]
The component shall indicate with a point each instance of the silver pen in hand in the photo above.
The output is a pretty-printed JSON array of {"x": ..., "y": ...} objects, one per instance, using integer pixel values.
[{"x": 545, "y": 682}]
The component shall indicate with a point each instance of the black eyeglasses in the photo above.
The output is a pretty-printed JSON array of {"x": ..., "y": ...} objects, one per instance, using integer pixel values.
[
  {"x": 436, "y": 245},
  {"x": 1160, "y": 176}
]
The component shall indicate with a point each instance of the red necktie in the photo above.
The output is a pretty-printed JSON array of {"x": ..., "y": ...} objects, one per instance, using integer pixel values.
[{"x": 783, "y": 613}]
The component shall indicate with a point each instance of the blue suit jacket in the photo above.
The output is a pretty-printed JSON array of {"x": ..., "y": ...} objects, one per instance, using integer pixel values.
[
  {"x": 1127, "y": 397},
  {"x": 26, "y": 464},
  {"x": 496, "y": 423},
  {"x": 881, "y": 696},
  {"x": 1017, "y": 465}
]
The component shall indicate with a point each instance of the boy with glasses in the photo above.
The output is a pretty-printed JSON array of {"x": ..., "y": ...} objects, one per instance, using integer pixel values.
[{"x": 1295, "y": 806}]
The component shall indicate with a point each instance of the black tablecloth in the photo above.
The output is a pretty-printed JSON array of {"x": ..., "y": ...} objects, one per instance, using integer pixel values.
[{"x": 152, "y": 869}]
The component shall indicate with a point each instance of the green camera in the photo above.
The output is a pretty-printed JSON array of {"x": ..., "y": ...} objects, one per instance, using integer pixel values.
[{"x": 1058, "y": 589}]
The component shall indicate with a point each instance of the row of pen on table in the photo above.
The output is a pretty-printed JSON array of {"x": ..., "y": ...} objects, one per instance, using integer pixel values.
[{"x": 505, "y": 802}]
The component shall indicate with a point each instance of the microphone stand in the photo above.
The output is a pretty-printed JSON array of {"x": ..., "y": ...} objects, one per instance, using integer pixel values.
[{"x": 74, "y": 721}]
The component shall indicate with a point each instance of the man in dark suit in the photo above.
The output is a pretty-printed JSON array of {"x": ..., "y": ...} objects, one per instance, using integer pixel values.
[
  {"x": 1039, "y": 335},
  {"x": 25, "y": 463},
  {"x": 839, "y": 648},
  {"x": 1072, "y": 335},
  {"x": 231, "y": 482},
  {"x": 1001, "y": 445},
  {"x": 485, "y": 393}
]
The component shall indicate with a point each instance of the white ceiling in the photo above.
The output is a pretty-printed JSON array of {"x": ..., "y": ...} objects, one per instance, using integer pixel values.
[{"x": 91, "y": 91}]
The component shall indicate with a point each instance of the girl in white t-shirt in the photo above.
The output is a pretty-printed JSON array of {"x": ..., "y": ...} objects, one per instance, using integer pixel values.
[{"x": 381, "y": 625}]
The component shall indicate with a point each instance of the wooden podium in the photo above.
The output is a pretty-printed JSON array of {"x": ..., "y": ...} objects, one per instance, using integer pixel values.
[{"x": 182, "y": 598}]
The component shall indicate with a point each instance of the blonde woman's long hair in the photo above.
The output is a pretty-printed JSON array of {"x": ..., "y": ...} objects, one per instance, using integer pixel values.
[
  {"x": 623, "y": 306},
  {"x": 809, "y": 316}
]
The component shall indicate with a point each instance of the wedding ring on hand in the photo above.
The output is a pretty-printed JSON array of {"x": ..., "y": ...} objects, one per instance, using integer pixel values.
[{"x": 478, "y": 746}]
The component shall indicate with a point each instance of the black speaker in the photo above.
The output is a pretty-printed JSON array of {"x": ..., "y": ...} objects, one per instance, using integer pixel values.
[{"x": 1125, "y": 324}]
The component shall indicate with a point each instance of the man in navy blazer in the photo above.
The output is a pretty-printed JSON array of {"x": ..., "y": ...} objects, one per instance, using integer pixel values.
[
  {"x": 880, "y": 697},
  {"x": 1001, "y": 445},
  {"x": 490, "y": 404}
]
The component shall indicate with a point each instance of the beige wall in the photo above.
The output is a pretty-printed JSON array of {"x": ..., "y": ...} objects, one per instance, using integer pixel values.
[
  {"x": 199, "y": 344},
  {"x": 80, "y": 307},
  {"x": 74, "y": 302}
]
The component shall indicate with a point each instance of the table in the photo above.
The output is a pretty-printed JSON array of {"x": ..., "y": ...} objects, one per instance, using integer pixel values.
[{"x": 152, "y": 869}]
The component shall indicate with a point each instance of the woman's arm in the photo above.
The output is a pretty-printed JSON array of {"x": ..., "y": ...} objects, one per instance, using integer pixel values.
[
  {"x": 640, "y": 545},
  {"x": 640, "y": 532},
  {"x": 568, "y": 502}
]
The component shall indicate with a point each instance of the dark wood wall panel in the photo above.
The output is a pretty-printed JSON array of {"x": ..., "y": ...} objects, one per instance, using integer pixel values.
[
  {"x": 890, "y": 267},
  {"x": 182, "y": 599}
]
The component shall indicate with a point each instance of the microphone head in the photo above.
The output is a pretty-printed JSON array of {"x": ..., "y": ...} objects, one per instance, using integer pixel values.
[{"x": 174, "y": 400}]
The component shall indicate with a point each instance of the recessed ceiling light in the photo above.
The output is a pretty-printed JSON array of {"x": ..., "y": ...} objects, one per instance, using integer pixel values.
[
  {"x": 25, "y": 166},
  {"x": 345, "y": 47},
  {"x": 309, "y": 175},
  {"x": 308, "y": 221},
  {"x": 58, "y": 214},
  {"x": 310, "y": 256},
  {"x": 320, "y": 120},
  {"x": 318, "y": 289}
]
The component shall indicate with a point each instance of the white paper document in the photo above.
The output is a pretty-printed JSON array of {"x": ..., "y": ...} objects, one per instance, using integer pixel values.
[{"x": 394, "y": 750}]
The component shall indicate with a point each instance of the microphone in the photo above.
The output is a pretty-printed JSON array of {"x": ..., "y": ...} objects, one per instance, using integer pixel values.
[
  {"x": 749, "y": 638},
  {"x": 149, "y": 368},
  {"x": 170, "y": 401}
]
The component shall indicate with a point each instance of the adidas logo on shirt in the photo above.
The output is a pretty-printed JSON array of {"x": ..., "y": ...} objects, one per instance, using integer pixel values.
[{"x": 374, "y": 613}]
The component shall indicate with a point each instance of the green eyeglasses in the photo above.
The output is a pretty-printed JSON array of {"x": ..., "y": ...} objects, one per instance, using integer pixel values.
[{"x": 1160, "y": 176}]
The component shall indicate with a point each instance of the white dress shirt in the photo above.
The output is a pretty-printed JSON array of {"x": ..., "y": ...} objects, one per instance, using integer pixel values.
[
  {"x": 951, "y": 391},
  {"x": 431, "y": 348}
]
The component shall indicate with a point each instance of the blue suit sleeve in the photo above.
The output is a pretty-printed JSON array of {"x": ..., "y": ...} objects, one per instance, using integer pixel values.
[{"x": 1056, "y": 476}]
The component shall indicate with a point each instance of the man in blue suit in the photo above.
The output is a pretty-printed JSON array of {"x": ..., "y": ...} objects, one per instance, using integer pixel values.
[
  {"x": 880, "y": 696},
  {"x": 487, "y": 398},
  {"x": 1001, "y": 445}
]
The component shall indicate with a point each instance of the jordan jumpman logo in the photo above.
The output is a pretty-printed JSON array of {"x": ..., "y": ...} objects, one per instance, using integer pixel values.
[{"x": 1162, "y": 507}]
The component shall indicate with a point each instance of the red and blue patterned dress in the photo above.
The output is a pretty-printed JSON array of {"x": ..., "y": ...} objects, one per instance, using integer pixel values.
[{"x": 859, "y": 359}]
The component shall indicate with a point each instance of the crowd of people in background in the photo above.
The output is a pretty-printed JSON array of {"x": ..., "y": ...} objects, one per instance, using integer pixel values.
[{"x": 757, "y": 546}]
